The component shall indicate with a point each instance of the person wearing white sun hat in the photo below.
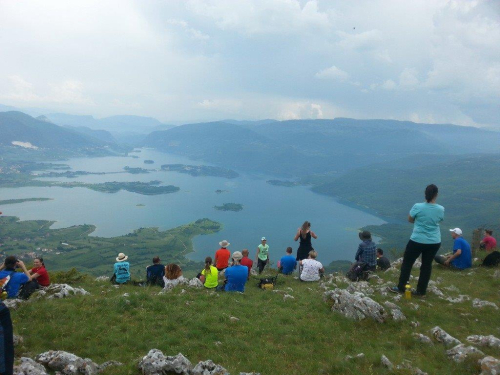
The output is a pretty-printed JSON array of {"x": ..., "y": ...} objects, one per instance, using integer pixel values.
[{"x": 121, "y": 273}]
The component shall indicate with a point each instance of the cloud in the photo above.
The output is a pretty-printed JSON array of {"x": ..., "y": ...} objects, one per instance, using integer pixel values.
[
  {"x": 333, "y": 73},
  {"x": 193, "y": 33},
  {"x": 388, "y": 85},
  {"x": 408, "y": 78}
]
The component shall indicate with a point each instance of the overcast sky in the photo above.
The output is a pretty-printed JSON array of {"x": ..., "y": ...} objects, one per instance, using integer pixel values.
[{"x": 191, "y": 60}]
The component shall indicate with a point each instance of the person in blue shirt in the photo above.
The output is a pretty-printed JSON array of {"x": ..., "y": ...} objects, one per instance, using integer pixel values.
[
  {"x": 236, "y": 275},
  {"x": 155, "y": 273},
  {"x": 8, "y": 268},
  {"x": 288, "y": 263},
  {"x": 425, "y": 241},
  {"x": 462, "y": 255},
  {"x": 121, "y": 269}
]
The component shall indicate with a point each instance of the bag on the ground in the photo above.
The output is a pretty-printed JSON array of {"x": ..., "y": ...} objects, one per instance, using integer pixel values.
[
  {"x": 268, "y": 282},
  {"x": 358, "y": 271},
  {"x": 492, "y": 260}
]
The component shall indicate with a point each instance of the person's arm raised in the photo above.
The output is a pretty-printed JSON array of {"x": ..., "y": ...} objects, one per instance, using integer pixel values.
[
  {"x": 23, "y": 267},
  {"x": 313, "y": 235}
]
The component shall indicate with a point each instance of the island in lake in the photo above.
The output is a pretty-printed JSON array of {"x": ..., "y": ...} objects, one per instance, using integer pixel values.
[
  {"x": 68, "y": 174},
  {"x": 140, "y": 205},
  {"x": 200, "y": 170},
  {"x": 149, "y": 161},
  {"x": 135, "y": 170},
  {"x": 235, "y": 207},
  {"x": 283, "y": 183},
  {"x": 15, "y": 201},
  {"x": 221, "y": 191},
  {"x": 144, "y": 188}
]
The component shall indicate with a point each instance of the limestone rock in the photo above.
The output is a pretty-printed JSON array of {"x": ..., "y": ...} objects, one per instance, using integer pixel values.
[
  {"x": 489, "y": 366},
  {"x": 67, "y": 363},
  {"x": 477, "y": 303},
  {"x": 208, "y": 368},
  {"x": 249, "y": 373},
  {"x": 234, "y": 319},
  {"x": 14, "y": 303},
  {"x": 18, "y": 340},
  {"x": 489, "y": 341},
  {"x": 452, "y": 288},
  {"x": 357, "y": 356},
  {"x": 287, "y": 296},
  {"x": 391, "y": 305},
  {"x": 397, "y": 315},
  {"x": 107, "y": 364},
  {"x": 423, "y": 338},
  {"x": 155, "y": 363},
  {"x": 496, "y": 275},
  {"x": 415, "y": 324},
  {"x": 385, "y": 361},
  {"x": 59, "y": 291},
  {"x": 460, "y": 298},
  {"x": 436, "y": 291},
  {"x": 195, "y": 283},
  {"x": 360, "y": 286},
  {"x": 441, "y": 336},
  {"x": 29, "y": 367},
  {"x": 460, "y": 352},
  {"x": 356, "y": 305},
  {"x": 101, "y": 279}
]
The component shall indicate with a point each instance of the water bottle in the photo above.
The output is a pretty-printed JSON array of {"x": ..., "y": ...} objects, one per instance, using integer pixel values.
[{"x": 408, "y": 290}]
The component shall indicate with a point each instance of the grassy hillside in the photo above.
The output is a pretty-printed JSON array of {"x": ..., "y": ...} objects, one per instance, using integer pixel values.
[{"x": 273, "y": 336}]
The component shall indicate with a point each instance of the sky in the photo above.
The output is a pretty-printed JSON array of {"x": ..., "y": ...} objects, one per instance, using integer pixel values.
[{"x": 194, "y": 60}]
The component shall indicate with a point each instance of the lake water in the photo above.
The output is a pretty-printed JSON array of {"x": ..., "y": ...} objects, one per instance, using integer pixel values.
[{"x": 271, "y": 211}]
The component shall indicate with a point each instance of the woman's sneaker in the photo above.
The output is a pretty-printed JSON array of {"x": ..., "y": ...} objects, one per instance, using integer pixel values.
[
  {"x": 394, "y": 289},
  {"x": 414, "y": 293}
]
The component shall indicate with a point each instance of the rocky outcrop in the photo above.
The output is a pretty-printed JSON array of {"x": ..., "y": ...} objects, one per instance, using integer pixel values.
[
  {"x": 356, "y": 305},
  {"x": 489, "y": 366},
  {"x": 441, "y": 336},
  {"x": 208, "y": 368},
  {"x": 18, "y": 340},
  {"x": 386, "y": 363},
  {"x": 460, "y": 352},
  {"x": 489, "y": 341},
  {"x": 477, "y": 303},
  {"x": 67, "y": 363},
  {"x": 155, "y": 363},
  {"x": 29, "y": 367},
  {"x": 423, "y": 338},
  {"x": 195, "y": 283},
  {"x": 59, "y": 291}
]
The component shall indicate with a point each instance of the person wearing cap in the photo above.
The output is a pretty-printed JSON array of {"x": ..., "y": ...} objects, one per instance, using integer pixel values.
[
  {"x": 121, "y": 269},
  {"x": 155, "y": 273},
  {"x": 222, "y": 256},
  {"x": 236, "y": 275},
  {"x": 462, "y": 255},
  {"x": 367, "y": 251},
  {"x": 262, "y": 255}
]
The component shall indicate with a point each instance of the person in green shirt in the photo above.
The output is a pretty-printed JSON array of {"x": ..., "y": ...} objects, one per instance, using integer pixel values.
[
  {"x": 210, "y": 275},
  {"x": 262, "y": 255}
]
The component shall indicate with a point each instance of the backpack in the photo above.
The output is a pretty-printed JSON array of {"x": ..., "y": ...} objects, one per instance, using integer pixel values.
[
  {"x": 492, "y": 260},
  {"x": 358, "y": 271},
  {"x": 3, "y": 286},
  {"x": 268, "y": 282}
]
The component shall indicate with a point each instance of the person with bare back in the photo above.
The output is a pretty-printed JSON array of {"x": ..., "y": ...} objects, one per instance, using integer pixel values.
[{"x": 304, "y": 233}]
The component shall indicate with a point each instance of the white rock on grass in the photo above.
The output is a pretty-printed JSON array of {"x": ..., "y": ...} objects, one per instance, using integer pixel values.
[
  {"x": 195, "y": 283},
  {"x": 287, "y": 296},
  {"x": 436, "y": 291},
  {"x": 477, "y": 303},
  {"x": 67, "y": 363},
  {"x": 489, "y": 341},
  {"x": 29, "y": 367},
  {"x": 101, "y": 279},
  {"x": 234, "y": 319},
  {"x": 59, "y": 291},
  {"x": 440, "y": 335},
  {"x": 360, "y": 286},
  {"x": 13, "y": 304},
  {"x": 357, "y": 356},
  {"x": 18, "y": 340},
  {"x": 496, "y": 275},
  {"x": 396, "y": 313},
  {"x": 208, "y": 368},
  {"x": 460, "y": 352},
  {"x": 423, "y": 338},
  {"x": 356, "y": 305},
  {"x": 155, "y": 363},
  {"x": 489, "y": 366},
  {"x": 459, "y": 299},
  {"x": 107, "y": 364},
  {"x": 386, "y": 363}
]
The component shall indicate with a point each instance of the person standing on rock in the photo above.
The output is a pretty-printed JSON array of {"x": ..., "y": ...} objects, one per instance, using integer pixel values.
[
  {"x": 262, "y": 255},
  {"x": 6, "y": 341},
  {"x": 222, "y": 256},
  {"x": 305, "y": 246},
  {"x": 425, "y": 240}
]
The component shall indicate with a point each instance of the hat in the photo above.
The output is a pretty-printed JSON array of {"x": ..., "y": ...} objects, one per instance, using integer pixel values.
[
  {"x": 263, "y": 239},
  {"x": 456, "y": 231},
  {"x": 121, "y": 257},
  {"x": 237, "y": 255},
  {"x": 365, "y": 235},
  {"x": 224, "y": 243}
]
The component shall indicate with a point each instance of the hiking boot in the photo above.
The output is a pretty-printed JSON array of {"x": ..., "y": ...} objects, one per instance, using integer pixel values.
[
  {"x": 394, "y": 289},
  {"x": 415, "y": 293}
]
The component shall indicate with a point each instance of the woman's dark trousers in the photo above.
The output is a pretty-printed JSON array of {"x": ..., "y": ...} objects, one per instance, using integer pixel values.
[
  {"x": 6, "y": 341},
  {"x": 412, "y": 252}
]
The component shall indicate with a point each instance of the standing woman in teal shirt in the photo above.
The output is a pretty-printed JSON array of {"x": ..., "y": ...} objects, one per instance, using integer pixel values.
[{"x": 425, "y": 240}]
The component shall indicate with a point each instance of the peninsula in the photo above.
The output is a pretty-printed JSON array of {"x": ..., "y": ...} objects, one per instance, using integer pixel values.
[{"x": 200, "y": 170}]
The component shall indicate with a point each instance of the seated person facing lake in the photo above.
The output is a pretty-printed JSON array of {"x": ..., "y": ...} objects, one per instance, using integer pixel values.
[
  {"x": 173, "y": 275},
  {"x": 209, "y": 276},
  {"x": 222, "y": 256},
  {"x": 246, "y": 261},
  {"x": 382, "y": 262},
  {"x": 155, "y": 273},
  {"x": 311, "y": 268},
  {"x": 236, "y": 275},
  {"x": 488, "y": 242},
  {"x": 462, "y": 256},
  {"x": 121, "y": 273},
  {"x": 288, "y": 263},
  {"x": 367, "y": 251},
  {"x": 8, "y": 268}
]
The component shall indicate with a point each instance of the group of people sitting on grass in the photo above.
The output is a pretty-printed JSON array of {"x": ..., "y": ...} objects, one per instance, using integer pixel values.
[{"x": 22, "y": 284}]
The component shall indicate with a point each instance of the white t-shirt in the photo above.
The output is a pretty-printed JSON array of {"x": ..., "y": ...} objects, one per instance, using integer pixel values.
[{"x": 310, "y": 270}]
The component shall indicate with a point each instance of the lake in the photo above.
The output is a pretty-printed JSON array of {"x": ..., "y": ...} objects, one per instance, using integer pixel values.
[{"x": 271, "y": 211}]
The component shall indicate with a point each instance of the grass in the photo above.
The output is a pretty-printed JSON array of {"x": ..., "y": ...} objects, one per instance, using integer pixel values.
[{"x": 273, "y": 336}]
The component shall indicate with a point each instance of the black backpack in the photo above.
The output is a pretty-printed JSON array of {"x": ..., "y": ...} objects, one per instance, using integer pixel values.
[
  {"x": 358, "y": 271},
  {"x": 268, "y": 282},
  {"x": 492, "y": 260}
]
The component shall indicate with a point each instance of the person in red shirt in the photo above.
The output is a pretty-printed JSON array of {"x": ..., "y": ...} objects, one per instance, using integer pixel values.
[
  {"x": 488, "y": 242},
  {"x": 246, "y": 261},
  {"x": 39, "y": 273},
  {"x": 222, "y": 256}
]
